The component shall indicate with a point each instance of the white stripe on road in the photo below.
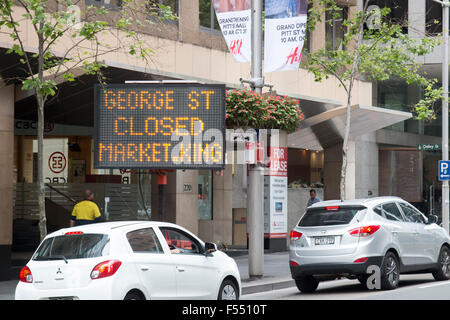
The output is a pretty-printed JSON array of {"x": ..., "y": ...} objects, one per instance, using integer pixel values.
[{"x": 434, "y": 285}]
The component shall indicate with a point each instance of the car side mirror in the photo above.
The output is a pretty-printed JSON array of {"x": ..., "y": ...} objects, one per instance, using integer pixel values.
[
  {"x": 432, "y": 219},
  {"x": 210, "y": 248}
]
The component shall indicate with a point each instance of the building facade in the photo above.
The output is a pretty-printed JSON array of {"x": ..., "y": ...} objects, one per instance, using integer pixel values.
[{"x": 211, "y": 204}]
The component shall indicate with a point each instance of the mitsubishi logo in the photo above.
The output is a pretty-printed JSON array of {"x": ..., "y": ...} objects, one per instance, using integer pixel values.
[{"x": 59, "y": 271}]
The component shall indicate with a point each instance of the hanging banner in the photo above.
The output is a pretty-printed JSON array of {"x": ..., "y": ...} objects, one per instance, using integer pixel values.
[
  {"x": 234, "y": 17},
  {"x": 285, "y": 30}
]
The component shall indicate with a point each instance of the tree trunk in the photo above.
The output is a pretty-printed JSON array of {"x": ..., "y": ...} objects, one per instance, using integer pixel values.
[
  {"x": 40, "y": 134},
  {"x": 345, "y": 150},
  {"x": 40, "y": 168}
]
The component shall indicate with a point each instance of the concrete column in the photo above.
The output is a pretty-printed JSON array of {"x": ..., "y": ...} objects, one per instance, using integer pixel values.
[
  {"x": 350, "y": 177},
  {"x": 187, "y": 201},
  {"x": 416, "y": 18},
  {"x": 318, "y": 35},
  {"x": 362, "y": 169},
  {"x": 332, "y": 171},
  {"x": 366, "y": 161},
  {"x": 6, "y": 172},
  {"x": 189, "y": 21}
]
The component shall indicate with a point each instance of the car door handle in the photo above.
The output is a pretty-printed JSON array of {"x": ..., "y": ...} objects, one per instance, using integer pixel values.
[
  {"x": 180, "y": 269},
  {"x": 394, "y": 232},
  {"x": 145, "y": 268}
]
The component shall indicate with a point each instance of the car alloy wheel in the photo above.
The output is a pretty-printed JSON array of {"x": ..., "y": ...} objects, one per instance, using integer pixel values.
[
  {"x": 445, "y": 263},
  {"x": 442, "y": 271},
  {"x": 391, "y": 272},
  {"x": 228, "y": 292}
]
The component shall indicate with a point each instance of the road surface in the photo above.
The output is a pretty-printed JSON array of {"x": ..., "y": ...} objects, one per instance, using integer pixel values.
[{"x": 411, "y": 287}]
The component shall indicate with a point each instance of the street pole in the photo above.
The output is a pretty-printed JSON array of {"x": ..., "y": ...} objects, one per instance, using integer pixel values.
[
  {"x": 445, "y": 185},
  {"x": 255, "y": 191}
]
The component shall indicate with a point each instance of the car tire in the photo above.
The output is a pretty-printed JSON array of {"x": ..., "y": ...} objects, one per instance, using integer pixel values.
[
  {"x": 307, "y": 284},
  {"x": 390, "y": 272},
  {"x": 133, "y": 296},
  {"x": 228, "y": 291},
  {"x": 443, "y": 271}
]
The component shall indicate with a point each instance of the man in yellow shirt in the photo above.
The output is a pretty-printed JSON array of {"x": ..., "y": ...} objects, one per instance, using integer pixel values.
[{"x": 86, "y": 211}]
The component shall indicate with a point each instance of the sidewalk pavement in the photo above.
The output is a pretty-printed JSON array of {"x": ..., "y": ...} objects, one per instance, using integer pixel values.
[{"x": 277, "y": 275}]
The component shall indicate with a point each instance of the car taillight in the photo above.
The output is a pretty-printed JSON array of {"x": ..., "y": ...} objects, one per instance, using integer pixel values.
[
  {"x": 332, "y": 208},
  {"x": 293, "y": 263},
  {"x": 360, "y": 260},
  {"x": 73, "y": 233},
  {"x": 25, "y": 275},
  {"x": 364, "y": 231},
  {"x": 105, "y": 269},
  {"x": 295, "y": 235}
]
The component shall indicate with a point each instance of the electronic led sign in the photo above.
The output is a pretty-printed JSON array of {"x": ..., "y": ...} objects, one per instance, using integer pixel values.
[{"x": 161, "y": 126}]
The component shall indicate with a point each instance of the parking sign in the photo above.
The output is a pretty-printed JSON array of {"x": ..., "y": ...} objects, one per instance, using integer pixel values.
[{"x": 444, "y": 170}]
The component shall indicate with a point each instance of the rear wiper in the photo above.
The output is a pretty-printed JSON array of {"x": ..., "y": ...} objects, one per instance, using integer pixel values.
[
  {"x": 60, "y": 257},
  {"x": 334, "y": 221}
]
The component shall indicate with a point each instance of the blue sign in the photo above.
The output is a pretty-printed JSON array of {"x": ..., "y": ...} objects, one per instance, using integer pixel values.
[{"x": 444, "y": 170}]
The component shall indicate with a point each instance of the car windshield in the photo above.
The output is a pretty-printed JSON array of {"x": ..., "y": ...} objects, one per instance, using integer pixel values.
[
  {"x": 328, "y": 216},
  {"x": 79, "y": 246}
]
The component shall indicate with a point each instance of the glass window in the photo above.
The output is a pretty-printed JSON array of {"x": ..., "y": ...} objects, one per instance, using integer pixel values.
[
  {"x": 79, "y": 246},
  {"x": 335, "y": 31},
  {"x": 205, "y": 185},
  {"x": 398, "y": 13},
  {"x": 433, "y": 18},
  {"x": 144, "y": 240},
  {"x": 154, "y": 5},
  {"x": 329, "y": 216},
  {"x": 379, "y": 211},
  {"x": 411, "y": 214},
  {"x": 180, "y": 242},
  {"x": 391, "y": 212},
  {"x": 207, "y": 15}
]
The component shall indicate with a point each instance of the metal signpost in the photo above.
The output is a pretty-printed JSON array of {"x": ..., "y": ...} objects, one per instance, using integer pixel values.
[
  {"x": 445, "y": 184},
  {"x": 255, "y": 192}
]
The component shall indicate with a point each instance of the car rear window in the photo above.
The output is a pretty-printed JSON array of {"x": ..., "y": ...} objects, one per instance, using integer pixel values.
[
  {"x": 329, "y": 216},
  {"x": 79, "y": 246}
]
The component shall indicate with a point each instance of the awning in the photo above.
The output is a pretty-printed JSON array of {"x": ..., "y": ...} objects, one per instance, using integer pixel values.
[{"x": 327, "y": 128}]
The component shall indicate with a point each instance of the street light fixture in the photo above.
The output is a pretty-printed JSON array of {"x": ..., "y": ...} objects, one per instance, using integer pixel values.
[{"x": 445, "y": 185}]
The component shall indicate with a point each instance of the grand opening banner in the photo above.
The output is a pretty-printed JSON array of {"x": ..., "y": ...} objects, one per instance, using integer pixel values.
[
  {"x": 235, "y": 20},
  {"x": 285, "y": 30}
]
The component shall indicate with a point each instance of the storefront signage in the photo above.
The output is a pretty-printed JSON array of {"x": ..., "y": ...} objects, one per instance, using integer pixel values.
[
  {"x": 164, "y": 126},
  {"x": 429, "y": 147},
  {"x": 275, "y": 194}
]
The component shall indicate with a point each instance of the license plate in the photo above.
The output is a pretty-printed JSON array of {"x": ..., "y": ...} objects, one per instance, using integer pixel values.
[{"x": 324, "y": 240}]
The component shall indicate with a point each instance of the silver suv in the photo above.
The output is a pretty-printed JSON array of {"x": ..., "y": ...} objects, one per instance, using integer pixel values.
[{"x": 344, "y": 238}]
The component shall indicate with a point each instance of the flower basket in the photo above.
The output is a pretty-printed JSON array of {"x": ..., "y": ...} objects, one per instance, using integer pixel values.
[{"x": 246, "y": 109}]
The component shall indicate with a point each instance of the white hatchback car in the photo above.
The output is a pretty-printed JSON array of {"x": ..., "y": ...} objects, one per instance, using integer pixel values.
[{"x": 130, "y": 260}]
